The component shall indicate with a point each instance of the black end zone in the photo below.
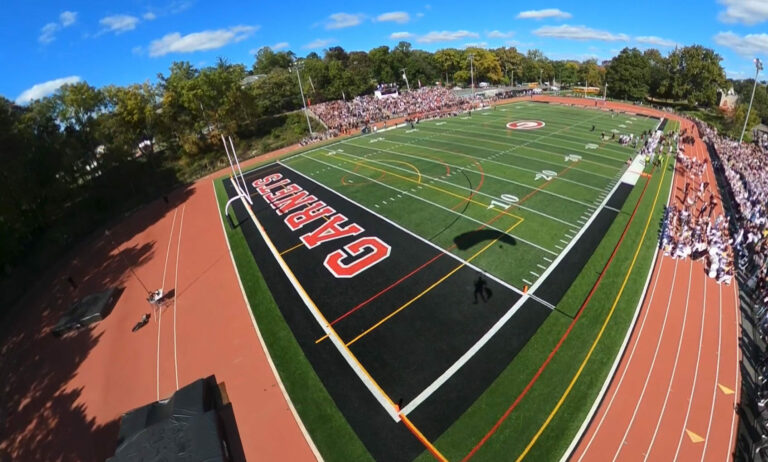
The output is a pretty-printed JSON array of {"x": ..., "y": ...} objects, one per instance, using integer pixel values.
[
  {"x": 559, "y": 281},
  {"x": 410, "y": 349}
]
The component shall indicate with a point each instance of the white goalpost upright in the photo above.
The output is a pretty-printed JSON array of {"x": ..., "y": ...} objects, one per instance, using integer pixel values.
[{"x": 237, "y": 175}]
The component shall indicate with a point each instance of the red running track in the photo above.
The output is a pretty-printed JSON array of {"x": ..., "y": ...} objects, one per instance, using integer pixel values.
[
  {"x": 675, "y": 392},
  {"x": 62, "y": 398}
]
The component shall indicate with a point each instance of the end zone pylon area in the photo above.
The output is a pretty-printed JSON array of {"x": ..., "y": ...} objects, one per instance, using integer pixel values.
[{"x": 237, "y": 175}]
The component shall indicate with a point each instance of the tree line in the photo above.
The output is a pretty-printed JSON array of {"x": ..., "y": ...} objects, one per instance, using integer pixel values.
[{"x": 76, "y": 158}]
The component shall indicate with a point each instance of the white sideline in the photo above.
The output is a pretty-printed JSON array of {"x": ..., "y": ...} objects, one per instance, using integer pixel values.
[
  {"x": 176, "y": 296},
  {"x": 261, "y": 339},
  {"x": 619, "y": 355},
  {"x": 358, "y": 368}
]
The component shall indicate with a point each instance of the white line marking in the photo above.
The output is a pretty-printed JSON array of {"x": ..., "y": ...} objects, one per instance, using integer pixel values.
[
  {"x": 527, "y": 282},
  {"x": 541, "y": 266},
  {"x": 564, "y": 241},
  {"x": 176, "y": 296},
  {"x": 695, "y": 373},
  {"x": 653, "y": 363},
  {"x": 547, "y": 259},
  {"x": 332, "y": 335},
  {"x": 465, "y": 188},
  {"x": 157, "y": 360},
  {"x": 261, "y": 338},
  {"x": 612, "y": 209},
  {"x": 617, "y": 360},
  {"x": 431, "y": 203},
  {"x": 168, "y": 249},
  {"x": 536, "y": 275},
  {"x": 558, "y": 246},
  {"x": 615, "y": 366},
  {"x": 479, "y": 159}
]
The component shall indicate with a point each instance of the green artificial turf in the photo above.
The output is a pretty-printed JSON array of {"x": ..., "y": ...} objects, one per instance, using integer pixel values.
[{"x": 421, "y": 180}]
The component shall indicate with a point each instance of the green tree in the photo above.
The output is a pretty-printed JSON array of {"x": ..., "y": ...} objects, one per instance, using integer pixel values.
[{"x": 628, "y": 75}]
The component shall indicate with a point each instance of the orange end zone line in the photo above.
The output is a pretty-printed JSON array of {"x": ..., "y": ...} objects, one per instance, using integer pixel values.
[
  {"x": 546, "y": 362},
  {"x": 602, "y": 328},
  {"x": 432, "y": 449}
]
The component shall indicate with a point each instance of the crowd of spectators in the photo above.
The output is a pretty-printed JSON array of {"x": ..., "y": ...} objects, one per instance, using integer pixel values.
[
  {"x": 746, "y": 173},
  {"x": 691, "y": 230},
  {"x": 427, "y": 102}
]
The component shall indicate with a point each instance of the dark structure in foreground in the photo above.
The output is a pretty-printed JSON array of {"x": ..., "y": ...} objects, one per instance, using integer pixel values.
[
  {"x": 88, "y": 310},
  {"x": 191, "y": 425}
]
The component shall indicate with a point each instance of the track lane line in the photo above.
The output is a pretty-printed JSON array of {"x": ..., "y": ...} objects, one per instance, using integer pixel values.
[
  {"x": 176, "y": 297},
  {"x": 605, "y": 324},
  {"x": 565, "y": 335}
]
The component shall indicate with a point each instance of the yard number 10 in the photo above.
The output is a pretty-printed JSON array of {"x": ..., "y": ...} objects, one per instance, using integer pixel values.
[{"x": 506, "y": 201}]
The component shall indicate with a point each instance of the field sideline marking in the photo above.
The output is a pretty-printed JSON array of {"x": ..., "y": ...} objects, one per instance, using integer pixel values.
[
  {"x": 619, "y": 356},
  {"x": 516, "y": 154},
  {"x": 543, "y": 366},
  {"x": 434, "y": 205},
  {"x": 168, "y": 249},
  {"x": 602, "y": 328},
  {"x": 467, "y": 169},
  {"x": 433, "y": 245},
  {"x": 428, "y": 289},
  {"x": 363, "y": 160},
  {"x": 528, "y": 170},
  {"x": 379, "y": 394},
  {"x": 296, "y": 417}
]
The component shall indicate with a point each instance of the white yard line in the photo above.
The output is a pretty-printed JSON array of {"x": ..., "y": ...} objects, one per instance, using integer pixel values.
[
  {"x": 463, "y": 188},
  {"x": 431, "y": 203}
]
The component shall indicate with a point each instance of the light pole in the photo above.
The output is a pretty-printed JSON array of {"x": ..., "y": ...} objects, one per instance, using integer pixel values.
[
  {"x": 605, "y": 90},
  {"x": 298, "y": 65},
  {"x": 472, "y": 72},
  {"x": 758, "y": 68},
  {"x": 405, "y": 77}
]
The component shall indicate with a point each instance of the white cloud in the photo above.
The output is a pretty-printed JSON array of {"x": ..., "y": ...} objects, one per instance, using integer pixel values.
[
  {"x": 149, "y": 16},
  {"x": 748, "y": 12},
  {"x": 579, "y": 33},
  {"x": 476, "y": 45},
  {"x": 446, "y": 36},
  {"x": 499, "y": 34},
  {"x": 750, "y": 45},
  {"x": 67, "y": 18},
  {"x": 280, "y": 46},
  {"x": 400, "y": 35},
  {"x": 653, "y": 40},
  {"x": 47, "y": 33},
  {"x": 342, "y": 20},
  {"x": 199, "y": 41},
  {"x": 319, "y": 43},
  {"x": 138, "y": 51},
  {"x": 543, "y": 14},
  {"x": 44, "y": 89},
  {"x": 118, "y": 23},
  {"x": 400, "y": 17}
]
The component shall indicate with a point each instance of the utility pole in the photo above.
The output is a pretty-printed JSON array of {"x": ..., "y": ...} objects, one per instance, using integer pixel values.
[
  {"x": 540, "y": 72},
  {"x": 758, "y": 68},
  {"x": 405, "y": 77},
  {"x": 605, "y": 90},
  {"x": 472, "y": 72},
  {"x": 298, "y": 65}
]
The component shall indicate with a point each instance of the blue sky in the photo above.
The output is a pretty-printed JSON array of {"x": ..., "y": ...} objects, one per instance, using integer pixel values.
[{"x": 48, "y": 43}]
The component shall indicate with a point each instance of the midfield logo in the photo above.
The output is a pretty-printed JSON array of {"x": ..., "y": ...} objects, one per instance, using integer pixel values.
[{"x": 525, "y": 125}]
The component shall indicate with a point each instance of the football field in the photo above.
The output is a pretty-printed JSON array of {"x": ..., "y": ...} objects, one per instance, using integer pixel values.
[{"x": 414, "y": 264}]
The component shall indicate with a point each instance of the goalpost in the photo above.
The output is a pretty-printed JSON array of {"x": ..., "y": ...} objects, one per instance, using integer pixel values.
[{"x": 241, "y": 187}]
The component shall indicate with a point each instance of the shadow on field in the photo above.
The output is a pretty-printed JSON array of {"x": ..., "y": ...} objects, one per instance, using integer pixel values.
[
  {"x": 42, "y": 417},
  {"x": 472, "y": 238}
]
